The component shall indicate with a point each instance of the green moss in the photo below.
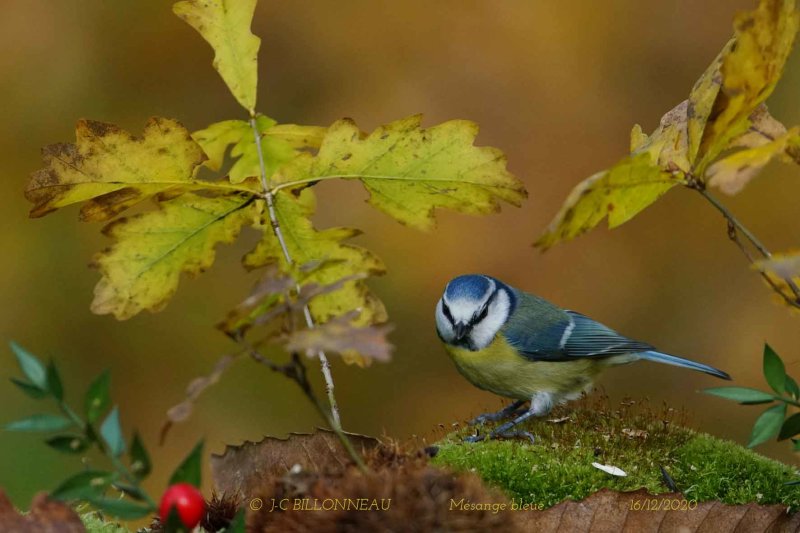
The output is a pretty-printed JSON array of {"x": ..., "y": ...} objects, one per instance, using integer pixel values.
[
  {"x": 94, "y": 523},
  {"x": 635, "y": 437}
]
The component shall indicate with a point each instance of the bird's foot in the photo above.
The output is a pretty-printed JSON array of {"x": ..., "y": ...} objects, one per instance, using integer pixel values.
[
  {"x": 474, "y": 438},
  {"x": 502, "y": 414},
  {"x": 527, "y": 435},
  {"x": 514, "y": 435}
]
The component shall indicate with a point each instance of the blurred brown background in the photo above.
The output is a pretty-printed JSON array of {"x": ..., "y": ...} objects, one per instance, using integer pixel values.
[{"x": 556, "y": 85}]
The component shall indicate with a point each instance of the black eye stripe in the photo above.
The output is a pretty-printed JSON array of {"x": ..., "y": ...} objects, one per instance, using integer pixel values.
[
  {"x": 485, "y": 311},
  {"x": 446, "y": 311}
]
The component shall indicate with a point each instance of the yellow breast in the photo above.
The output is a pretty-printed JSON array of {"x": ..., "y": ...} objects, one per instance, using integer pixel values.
[{"x": 498, "y": 368}]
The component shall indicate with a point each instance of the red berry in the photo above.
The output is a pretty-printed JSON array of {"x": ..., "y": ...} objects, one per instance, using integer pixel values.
[{"x": 188, "y": 501}]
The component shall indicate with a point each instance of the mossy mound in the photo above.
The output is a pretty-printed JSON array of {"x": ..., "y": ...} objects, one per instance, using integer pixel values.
[{"x": 634, "y": 436}]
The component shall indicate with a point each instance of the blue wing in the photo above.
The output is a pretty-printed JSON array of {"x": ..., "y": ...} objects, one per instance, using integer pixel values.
[{"x": 570, "y": 337}]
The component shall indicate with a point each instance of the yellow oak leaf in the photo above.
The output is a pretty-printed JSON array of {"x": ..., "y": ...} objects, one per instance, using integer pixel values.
[
  {"x": 225, "y": 24},
  {"x": 782, "y": 273},
  {"x": 299, "y": 137},
  {"x": 730, "y": 174},
  {"x": 410, "y": 171},
  {"x": 142, "y": 268},
  {"x": 749, "y": 69},
  {"x": 619, "y": 193}
]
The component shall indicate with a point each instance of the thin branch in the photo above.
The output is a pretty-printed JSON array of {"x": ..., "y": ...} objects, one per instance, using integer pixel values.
[
  {"x": 276, "y": 228},
  {"x": 296, "y": 371},
  {"x": 735, "y": 227}
]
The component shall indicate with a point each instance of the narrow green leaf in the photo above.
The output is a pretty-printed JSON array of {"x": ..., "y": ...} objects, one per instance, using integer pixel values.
[
  {"x": 30, "y": 366},
  {"x": 790, "y": 483},
  {"x": 743, "y": 395},
  {"x": 174, "y": 522},
  {"x": 54, "y": 381},
  {"x": 792, "y": 388},
  {"x": 68, "y": 443},
  {"x": 98, "y": 397},
  {"x": 41, "y": 422},
  {"x": 29, "y": 388},
  {"x": 111, "y": 432},
  {"x": 190, "y": 469},
  {"x": 83, "y": 485},
  {"x": 767, "y": 425},
  {"x": 123, "y": 509},
  {"x": 140, "y": 459},
  {"x": 774, "y": 371},
  {"x": 790, "y": 428},
  {"x": 237, "y": 524},
  {"x": 132, "y": 491}
]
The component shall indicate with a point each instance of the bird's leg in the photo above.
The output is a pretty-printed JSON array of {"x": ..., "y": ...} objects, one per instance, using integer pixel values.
[
  {"x": 541, "y": 404},
  {"x": 506, "y": 412}
]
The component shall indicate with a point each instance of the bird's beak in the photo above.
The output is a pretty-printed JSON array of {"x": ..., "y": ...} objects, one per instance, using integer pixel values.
[{"x": 461, "y": 331}]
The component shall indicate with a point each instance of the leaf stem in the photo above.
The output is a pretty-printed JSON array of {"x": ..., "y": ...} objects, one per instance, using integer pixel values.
[
  {"x": 735, "y": 227},
  {"x": 325, "y": 365}
]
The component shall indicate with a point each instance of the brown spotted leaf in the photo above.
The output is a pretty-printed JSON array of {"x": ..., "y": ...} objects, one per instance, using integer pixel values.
[
  {"x": 111, "y": 170},
  {"x": 242, "y": 469}
]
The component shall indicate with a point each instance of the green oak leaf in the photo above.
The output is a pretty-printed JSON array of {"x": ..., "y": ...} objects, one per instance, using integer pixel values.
[
  {"x": 409, "y": 171},
  {"x": 216, "y": 138},
  {"x": 141, "y": 270}
]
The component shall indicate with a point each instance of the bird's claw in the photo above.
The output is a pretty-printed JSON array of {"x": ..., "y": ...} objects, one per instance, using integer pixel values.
[
  {"x": 474, "y": 438},
  {"x": 507, "y": 412},
  {"x": 501, "y": 435},
  {"x": 482, "y": 419}
]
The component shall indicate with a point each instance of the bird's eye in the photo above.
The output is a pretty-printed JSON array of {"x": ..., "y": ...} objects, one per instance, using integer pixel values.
[{"x": 483, "y": 314}]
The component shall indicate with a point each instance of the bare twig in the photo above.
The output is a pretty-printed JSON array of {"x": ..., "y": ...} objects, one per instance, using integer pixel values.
[
  {"x": 296, "y": 371},
  {"x": 276, "y": 228},
  {"x": 735, "y": 228}
]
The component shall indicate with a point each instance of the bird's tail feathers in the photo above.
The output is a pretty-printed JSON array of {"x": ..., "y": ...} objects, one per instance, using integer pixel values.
[{"x": 659, "y": 357}]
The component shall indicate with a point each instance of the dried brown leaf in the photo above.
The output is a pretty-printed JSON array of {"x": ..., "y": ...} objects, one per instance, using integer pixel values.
[
  {"x": 339, "y": 335},
  {"x": 242, "y": 469},
  {"x": 607, "y": 511},
  {"x": 45, "y": 516}
]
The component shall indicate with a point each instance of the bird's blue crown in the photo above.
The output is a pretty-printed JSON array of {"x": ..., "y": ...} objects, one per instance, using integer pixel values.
[{"x": 470, "y": 286}]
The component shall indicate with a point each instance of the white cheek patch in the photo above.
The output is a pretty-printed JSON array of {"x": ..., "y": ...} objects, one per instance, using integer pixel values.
[
  {"x": 483, "y": 332},
  {"x": 443, "y": 325}
]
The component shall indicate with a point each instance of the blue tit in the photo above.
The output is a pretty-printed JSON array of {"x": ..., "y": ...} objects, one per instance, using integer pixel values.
[{"x": 520, "y": 346}]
